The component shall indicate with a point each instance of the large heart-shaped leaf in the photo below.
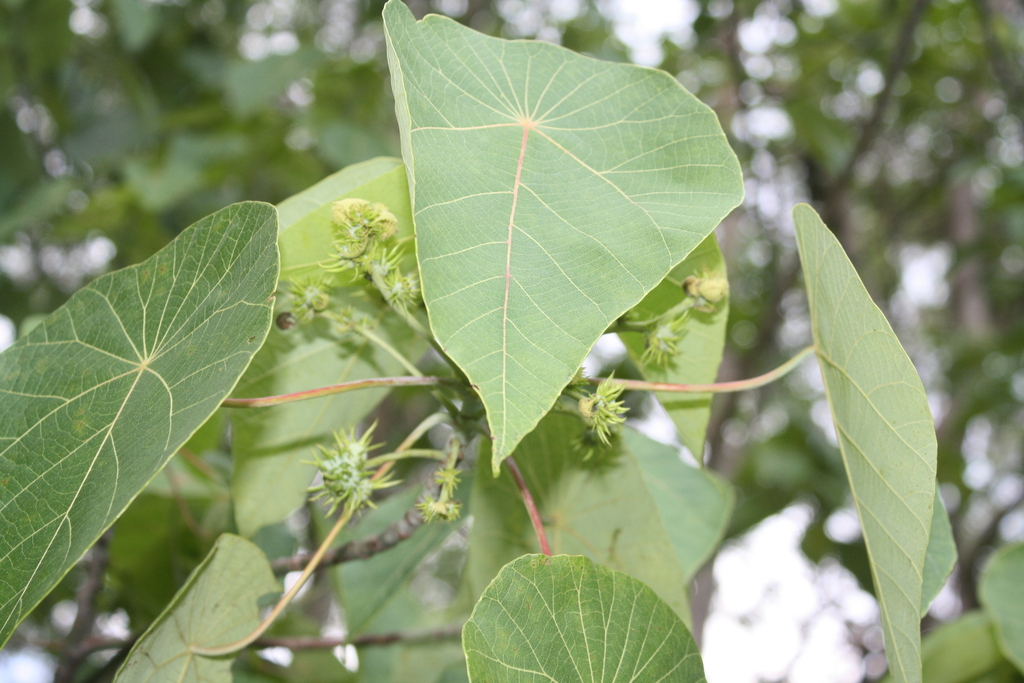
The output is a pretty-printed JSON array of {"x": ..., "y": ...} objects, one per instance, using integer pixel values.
[
  {"x": 1002, "y": 593},
  {"x": 99, "y": 396},
  {"x": 702, "y": 345},
  {"x": 216, "y": 606},
  {"x": 551, "y": 192},
  {"x": 638, "y": 509},
  {"x": 272, "y": 446},
  {"x": 885, "y": 431},
  {"x": 569, "y": 620}
]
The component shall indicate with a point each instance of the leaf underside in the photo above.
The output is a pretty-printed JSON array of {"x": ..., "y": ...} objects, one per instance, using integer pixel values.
[
  {"x": 216, "y": 606},
  {"x": 1001, "y": 591},
  {"x": 885, "y": 432},
  {"x": 567, "y": 619},
  {"x": 551, "y": 192},
  {"x": 98, "y": 397}
]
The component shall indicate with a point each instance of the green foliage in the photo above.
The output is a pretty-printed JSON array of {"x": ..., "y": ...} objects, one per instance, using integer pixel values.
[
  {"x": 159, "y": 344},
  {"x": 633, "y": 507},
  {"x": 1002, "y": 593},
  {"x": 216, "y": 605},
  {"x": 271, "y": 456},
  {"x": 546, "y": 198},
  {"x": 545, "y": 185},
  {"x": 567, "y": 619},
  {"x": 885, "y": 432}
]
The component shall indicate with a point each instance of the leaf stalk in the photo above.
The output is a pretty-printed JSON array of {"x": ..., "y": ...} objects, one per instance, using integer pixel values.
[
  {"x": 717, "y": 388},
  {"x": 531, "y": 506},
  {"x": 265, "y": 401}
]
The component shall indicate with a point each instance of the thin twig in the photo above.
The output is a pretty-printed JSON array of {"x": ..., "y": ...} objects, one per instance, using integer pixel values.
[
  {"x": 898, "y": 62},
  {"x": 299, "y": 643},
  {"x": 74, "y": 650},
  {"x": 531, "y": 507},
  {"x": 360, "y": 549},
  {"x": 717, "y": 388},
  {"x": 309, "y": 643},
  {"x": 265, "y": 401}
]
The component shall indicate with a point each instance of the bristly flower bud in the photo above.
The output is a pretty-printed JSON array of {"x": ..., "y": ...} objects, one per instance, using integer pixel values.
[
  {"x": 358, "y": 222},
  {"x": 384, "y": 262},
  {"x": 310, "y": 296},
  {"x": 444, "y": 510},
  {"x": 601, "y": 409},
  {"x": 346, "y": 481},
  {"x": 401, "y": 291},
  {"x": 708, "y": 289},
  {"x": 661, "y": 342}
]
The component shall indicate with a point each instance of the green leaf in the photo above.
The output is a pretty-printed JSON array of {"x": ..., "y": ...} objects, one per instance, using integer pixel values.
[
  {"x": 98, "y": 397},
  {"x": 1001, "y": 592},
  {"x": 885, "y": 431},
  {"x": 639, "y": 509},
  {"x": 216, "y": 606},
  {"x": 694, "y": 504},
  {"x": 702, "y": 345},
  {"x": 552, "y": 192},
  {"x": 333, "y": 186},
  {"x": 272, "y": 447},
  {"x": 941, "y": 556},
  {"x": 960, "y": 651},
  {"x": 367, "y": 585},
  {"x": 567, "y": 619}
]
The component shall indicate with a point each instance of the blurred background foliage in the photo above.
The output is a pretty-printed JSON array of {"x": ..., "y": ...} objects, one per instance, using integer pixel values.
[{"x": 123, "y": 121}]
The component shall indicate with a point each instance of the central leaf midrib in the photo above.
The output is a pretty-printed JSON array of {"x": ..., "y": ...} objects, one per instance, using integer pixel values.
[{"x": 527, "y": 125}]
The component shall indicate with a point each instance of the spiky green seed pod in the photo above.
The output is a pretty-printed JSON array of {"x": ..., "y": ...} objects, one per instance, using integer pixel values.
[
  {"x": 401, "y": 290},
  {"x": 662, "y": 342},
  {"x": 601, "y": 409},
  {"x": 445, "y": 510},
  {"x": 708, "y": 289},
  {"x": 346, "y": 480},
  {"x": 310, "y": 296},
  {"x": 360, "y": 218}
]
